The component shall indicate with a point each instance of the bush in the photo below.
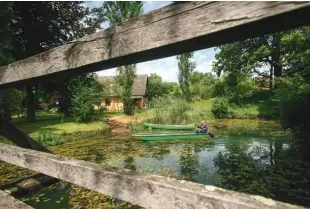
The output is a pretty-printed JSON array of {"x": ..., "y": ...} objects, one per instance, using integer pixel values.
[
  {"x": 86, "y": 92},
  {"x": 269, "y": 109},
  {"x": 220, "y": 107},
  {"x": 170, "y": 110},
  {"x": 220, "y": 89}
]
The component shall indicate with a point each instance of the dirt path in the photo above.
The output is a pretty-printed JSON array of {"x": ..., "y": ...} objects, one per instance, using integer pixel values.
[{"x": 119, "y": 125}]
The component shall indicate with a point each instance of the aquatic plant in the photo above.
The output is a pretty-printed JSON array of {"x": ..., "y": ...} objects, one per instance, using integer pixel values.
[{"x": 47, "y": 138}]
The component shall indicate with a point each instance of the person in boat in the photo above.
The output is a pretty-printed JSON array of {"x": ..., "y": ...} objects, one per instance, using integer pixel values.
[{"x": 202, "y": 128}]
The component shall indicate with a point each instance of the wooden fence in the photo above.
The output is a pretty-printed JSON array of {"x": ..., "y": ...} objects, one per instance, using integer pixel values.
[{"x": 175, "y": 29}]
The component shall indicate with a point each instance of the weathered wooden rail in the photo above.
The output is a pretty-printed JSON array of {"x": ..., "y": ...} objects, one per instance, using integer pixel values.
[
  {"x": 8, "y": 202},
  {"x": 149, "y": 191},
  {"x": 172, "y": 30}
]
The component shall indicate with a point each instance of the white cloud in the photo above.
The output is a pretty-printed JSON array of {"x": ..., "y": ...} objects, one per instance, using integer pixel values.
[{"x": 167, "y": 68}]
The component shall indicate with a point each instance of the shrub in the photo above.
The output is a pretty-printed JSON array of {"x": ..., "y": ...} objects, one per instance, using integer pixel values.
[
  {"x": 220, "y": 88},
  {"x": 269, "y": 109},
  {"x": 220, "y": 107},
  {"x": 294, "y": 96},
  {"x": 170, "y": 110},
  {"x": 86, "y": 92}
]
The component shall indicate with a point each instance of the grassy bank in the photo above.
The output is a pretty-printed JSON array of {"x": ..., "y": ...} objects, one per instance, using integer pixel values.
[
  {"x": 245, "y": 112},
  {"x": 50, "y": 130},
  {"x": 53, "y": 129}
]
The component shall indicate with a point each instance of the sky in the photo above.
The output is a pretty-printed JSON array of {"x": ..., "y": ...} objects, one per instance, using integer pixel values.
[{"x": 167, "y": 68}]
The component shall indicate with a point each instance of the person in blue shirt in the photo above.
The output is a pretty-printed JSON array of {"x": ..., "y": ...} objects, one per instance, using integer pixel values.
[{"x": 202, "y": 128}]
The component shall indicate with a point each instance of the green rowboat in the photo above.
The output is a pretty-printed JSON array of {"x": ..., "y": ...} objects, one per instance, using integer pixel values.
[
  {"x": 169, "y": 127},
  {"x": 170, "y": 136}
]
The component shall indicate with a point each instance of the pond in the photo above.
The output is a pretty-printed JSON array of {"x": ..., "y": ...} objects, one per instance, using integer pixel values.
[{"x": 254, "y": 157}]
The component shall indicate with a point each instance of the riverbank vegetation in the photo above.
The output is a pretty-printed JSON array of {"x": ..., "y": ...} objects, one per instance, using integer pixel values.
[{"x": 54, "y": 129}]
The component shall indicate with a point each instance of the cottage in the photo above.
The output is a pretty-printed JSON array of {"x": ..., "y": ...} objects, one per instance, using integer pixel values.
[{"x": 112, "y": 93}]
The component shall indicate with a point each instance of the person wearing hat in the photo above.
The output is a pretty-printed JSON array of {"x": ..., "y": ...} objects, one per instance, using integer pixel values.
[{"x": 202, "y": 128}]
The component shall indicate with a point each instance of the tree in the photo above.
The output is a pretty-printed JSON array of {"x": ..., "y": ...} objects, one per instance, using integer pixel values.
[
  {"x": 260, "y": 56},
  {"x": 171, "y": 88},
  {"x": 125, "y": 78},
  {"x": 202, "y": 85},
  {"x": 65, "y": 21},
  {"x": 287, "y": 56},
  {"x": 156, "y": 87},
  {"x": 186, "y": 67},
  {"x": 5, "y": 33},
  {"x": 86, "y": 92},
  {"x": 5, "y": 53},
  {"x": 116, "y": 12},
  {"x": 15, "y": 99},
  {"x": 39, "y": 26}
]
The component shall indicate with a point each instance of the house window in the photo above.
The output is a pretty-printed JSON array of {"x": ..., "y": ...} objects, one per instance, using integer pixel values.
[{"x": 107, "y": 102}]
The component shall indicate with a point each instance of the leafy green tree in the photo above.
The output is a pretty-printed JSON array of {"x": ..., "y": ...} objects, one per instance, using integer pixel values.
[
  {"x": 116, "y": 12},
  {"x": 156, "y": 87},
  {"x": 86, "y": 92},
  {"x": 260, "y": 56},
  {"x": 287, "y": 56},
  {"x": 171, "y": 88},
  {"x": 186, "y": 67},
  {"x": 16, "y": 99},
  {"x": 202, "y": 85},
  {"x": 125, "y": 78},
  {"x": 236, "y": 86},
  {"x": 39, "y": 26},
  {"x": 293, "y": 92},
  {"x": 112, "y": 88},
  {"x": 5, "y": 53},
  {"x": 5, "y": 33},
  {"x": 65, "y": 21}
]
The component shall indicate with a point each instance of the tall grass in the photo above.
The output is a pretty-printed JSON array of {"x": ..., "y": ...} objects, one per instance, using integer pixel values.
[
  {"x": 172, "y": 110},
  {"x": 168, "y": 110},
  {"x": 47, "y": 138},
  {"x": 243, "y": 112}
]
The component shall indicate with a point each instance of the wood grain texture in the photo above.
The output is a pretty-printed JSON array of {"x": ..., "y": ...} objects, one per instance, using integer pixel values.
[
  {"x": 172, "y": 30},
  {"x": 149, "y": 191},
  {"x": 9, "y": 202}
]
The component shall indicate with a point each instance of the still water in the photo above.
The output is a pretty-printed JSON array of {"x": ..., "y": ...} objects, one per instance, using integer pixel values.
[{"x": 254, "y": 157}]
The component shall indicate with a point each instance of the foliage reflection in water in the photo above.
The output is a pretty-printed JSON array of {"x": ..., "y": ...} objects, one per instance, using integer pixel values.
[{"x": 256, "y": 158}]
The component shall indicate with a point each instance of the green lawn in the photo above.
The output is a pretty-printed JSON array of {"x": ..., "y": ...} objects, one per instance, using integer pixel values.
[{"x": 53, "y": 129}]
